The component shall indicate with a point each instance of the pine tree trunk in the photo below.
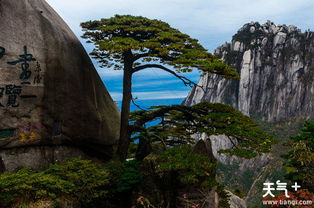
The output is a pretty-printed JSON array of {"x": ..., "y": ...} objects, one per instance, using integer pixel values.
[{"x": 124, "y": 139}]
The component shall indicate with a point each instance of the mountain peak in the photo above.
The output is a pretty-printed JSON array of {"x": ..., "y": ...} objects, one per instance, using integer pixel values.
[{"x": 276, "y": 65}]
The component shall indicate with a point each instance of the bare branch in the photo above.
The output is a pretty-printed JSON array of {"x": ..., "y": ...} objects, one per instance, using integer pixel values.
[
  {"x": 138, "y": 106},
  {"x": 161, "y": 139},
  {"x": 186, "y": 81},
  {"x": 234, "y": 145},
  {"x": 161, "y": 112}
]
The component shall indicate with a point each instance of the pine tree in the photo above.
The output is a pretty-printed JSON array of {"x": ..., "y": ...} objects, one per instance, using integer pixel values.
[{"x": 134, "y": 43}]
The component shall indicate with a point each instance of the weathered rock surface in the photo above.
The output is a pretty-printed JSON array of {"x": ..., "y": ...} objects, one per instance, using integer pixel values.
[
  {"x": 276, "y": 64},
  {"x": 38, "y": 157},
  {"x": 50, "y": 92},
  {"x": 277, "y": 73},
  {"x": 220, "y": 142},
  {"x": 235, "y": 201}
]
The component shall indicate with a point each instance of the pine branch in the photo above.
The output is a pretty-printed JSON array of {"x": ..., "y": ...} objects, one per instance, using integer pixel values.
[{"x": 186, "y": 81}]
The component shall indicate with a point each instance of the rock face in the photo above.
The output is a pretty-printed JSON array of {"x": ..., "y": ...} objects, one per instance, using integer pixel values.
[
  {"x": 220, "y": 142},
  {"x": 235, "y": 201},
  {"x": 50, "y": 93},
  {"x": 276, "y": 64},
  {"x": 277, "y": 73}
]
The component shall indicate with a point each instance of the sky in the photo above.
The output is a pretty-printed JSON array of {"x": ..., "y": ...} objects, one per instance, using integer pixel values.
[{"x": 212, "y": 22}]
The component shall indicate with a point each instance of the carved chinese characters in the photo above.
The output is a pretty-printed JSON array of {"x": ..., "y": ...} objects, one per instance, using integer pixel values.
[
  {"x": 10, "y": 93},
  {"x": 50, "y": 93},
  {"x": 24, "y": 59}
]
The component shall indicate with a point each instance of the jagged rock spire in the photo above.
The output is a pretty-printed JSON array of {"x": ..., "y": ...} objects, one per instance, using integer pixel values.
[{"x": 276, "y": 67}]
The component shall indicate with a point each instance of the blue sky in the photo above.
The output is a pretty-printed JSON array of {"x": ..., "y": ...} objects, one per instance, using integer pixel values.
[{"x": 212, "y": 22}]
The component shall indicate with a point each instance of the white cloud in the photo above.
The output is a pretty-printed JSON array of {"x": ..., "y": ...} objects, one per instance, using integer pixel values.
[
  {"x": 212, "y": 22},
  {"x": 109, "y": 73},
  {"x": 191, "y": 16}
]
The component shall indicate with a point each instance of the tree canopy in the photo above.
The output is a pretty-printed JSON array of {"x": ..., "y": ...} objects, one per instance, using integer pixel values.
[
  {"x": 169, "y": 142},
  {"x": 177, "y": 124},
  {"x": 142, "y": 40}
]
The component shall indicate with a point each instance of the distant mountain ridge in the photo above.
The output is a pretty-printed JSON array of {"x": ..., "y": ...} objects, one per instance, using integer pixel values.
[{"x": 277, "y": 73}]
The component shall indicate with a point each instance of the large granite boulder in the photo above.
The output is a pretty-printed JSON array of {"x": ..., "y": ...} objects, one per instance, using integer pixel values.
[{"x": 51, "y": 96}]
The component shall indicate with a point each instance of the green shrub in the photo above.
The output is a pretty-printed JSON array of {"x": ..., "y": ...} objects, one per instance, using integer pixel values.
[
  {"x": 124, "y": 176},
  {"x": 189, "y": 165},
  {"x": 81, "y": 180},
  {"x": 299, "y": 162}
]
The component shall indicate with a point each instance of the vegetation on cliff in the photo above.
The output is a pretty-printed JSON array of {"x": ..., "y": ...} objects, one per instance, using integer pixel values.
[
  {"x": 180, "y": 124},
  {"x": 82, "y": 183},
  {"x": 168, "y": 167},
  {"x": 300, "y": 159}
]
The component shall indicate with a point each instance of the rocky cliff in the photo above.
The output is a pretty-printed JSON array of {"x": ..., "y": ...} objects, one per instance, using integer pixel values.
[
  {"x": 276, "y": 64},
  {"x": 53, "y": 104}
]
